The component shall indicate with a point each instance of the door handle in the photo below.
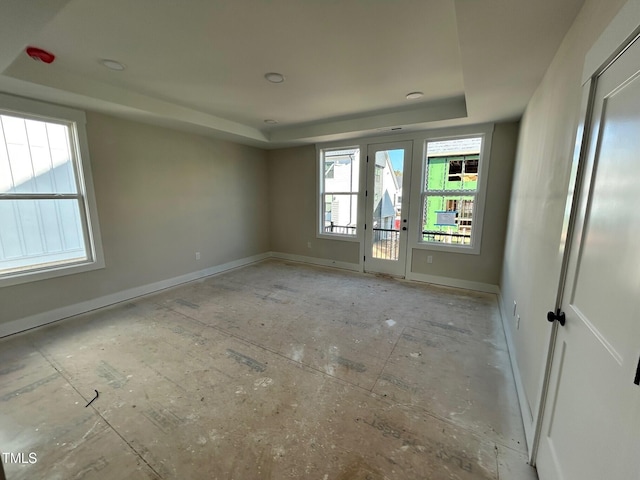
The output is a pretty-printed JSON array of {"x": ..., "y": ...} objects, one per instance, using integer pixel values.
[{"x": 559, "y": 315}]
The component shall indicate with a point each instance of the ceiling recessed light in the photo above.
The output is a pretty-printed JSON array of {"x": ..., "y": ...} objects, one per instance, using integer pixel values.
[
  {"x": 113, "y": 65},
  {"x": 414, "y": 95},
  {"x": 270, "y": 121},
  {"x": 274, "y": 77}
]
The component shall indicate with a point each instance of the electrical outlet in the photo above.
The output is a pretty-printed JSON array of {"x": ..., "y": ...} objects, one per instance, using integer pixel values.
[
  {"x": 308, "y": 244},
  {"x": 197, "y": 255},
  {"x": 518, "y": 323},
  {"x": 514, "y": 307},
  {"x": 430, "y": 259}
]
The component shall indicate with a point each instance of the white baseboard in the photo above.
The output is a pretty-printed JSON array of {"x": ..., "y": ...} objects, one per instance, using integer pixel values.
[
  {"x": 525, "y": 412},
  {"x": 40, "y": 319},
  {"x": 453, "y": 282},
  {"x": 418, "y": 277},
  {"x": 354, "y": 267}
]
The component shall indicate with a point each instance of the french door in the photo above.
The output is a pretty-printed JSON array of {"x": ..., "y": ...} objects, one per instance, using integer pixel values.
[{"x": 387, "y": 207}]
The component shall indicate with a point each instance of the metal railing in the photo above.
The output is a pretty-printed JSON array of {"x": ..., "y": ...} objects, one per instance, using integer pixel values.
[
  {"x": 340, "y": 229},
  {"x": 386, "y": 243},
  {"x": 444, "y": 237},
  {"x": 386, "y": 240}
]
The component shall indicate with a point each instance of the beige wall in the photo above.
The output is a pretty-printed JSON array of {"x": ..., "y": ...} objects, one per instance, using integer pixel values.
[
  {"x": 292, "y": 208},
  {"x": 292, "y": 200},
  {"x": 162, "y": 195},
  {"x": 486, "y": 267},
  {"x": 532, "y": 258}
]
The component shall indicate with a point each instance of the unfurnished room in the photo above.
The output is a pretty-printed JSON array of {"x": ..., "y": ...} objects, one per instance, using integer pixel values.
[{"x": 332, "y": 240}]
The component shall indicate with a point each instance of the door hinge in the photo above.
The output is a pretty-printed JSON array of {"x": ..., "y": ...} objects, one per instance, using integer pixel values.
[
  {"x": 364, "y": 258},
  {"x": 637, "y": 379},
  {"x": 366, "y": 193},
  {"x": 367, "y": 158},
  {"x": 365, "y": 226}
]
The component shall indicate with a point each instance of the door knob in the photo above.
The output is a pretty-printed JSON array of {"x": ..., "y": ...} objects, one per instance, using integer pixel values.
[{"x": 557, "y": 316}]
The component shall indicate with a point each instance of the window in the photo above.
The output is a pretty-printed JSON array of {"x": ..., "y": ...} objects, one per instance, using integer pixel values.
[
  {"x": 450, "y": 192},
  {"x": 46, "y": 214},
  {"x": 339, "y": 181}
]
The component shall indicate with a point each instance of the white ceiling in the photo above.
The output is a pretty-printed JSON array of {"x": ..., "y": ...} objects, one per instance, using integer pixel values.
[{"x": 199, "y": 65}]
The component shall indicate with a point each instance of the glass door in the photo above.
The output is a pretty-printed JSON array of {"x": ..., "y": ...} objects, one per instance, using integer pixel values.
[{"x": 387, "y": 212}]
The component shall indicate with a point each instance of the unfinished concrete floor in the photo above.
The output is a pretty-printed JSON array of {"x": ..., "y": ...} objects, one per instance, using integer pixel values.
[{"x": 273, "y": 371}]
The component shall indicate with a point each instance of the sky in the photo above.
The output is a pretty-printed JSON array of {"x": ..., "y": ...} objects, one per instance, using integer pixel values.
[{"x": 397, "y": 157}]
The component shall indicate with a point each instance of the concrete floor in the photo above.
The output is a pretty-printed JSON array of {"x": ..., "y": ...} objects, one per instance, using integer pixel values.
[{"x": 273, "y": 371}]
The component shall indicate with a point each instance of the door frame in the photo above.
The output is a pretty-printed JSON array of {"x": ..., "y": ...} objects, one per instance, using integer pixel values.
[{"x": 617, "y": 37}]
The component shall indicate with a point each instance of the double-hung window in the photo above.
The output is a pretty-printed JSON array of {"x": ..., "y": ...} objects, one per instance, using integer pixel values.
[
  {"x": 339, "y": 180},
  {"x": 48, "y": 220},
  {"x": 451, "y": 206}
]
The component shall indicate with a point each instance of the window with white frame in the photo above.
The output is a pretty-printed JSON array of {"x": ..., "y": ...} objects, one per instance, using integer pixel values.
[
  {"x": 450, "y": 192},
  {"x": 339, "y": 180},
  {"x": 47, "y": 225}
]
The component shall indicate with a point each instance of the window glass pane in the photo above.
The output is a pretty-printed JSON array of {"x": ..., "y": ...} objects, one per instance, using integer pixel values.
[
  {"x": 39, "y": 233},
  {"x": 452, "y": 173},
  {"x": 386, "y": 205},
  {"x": 340, "y": 214},
  {"x": 447, "y": 219},
  {"x": 452, "y": 164},
  {"x": 458, "y": 146},
  {"x": 387, "y": 188},
  {"x": 341, "y": 170},
  {"x": 35, "y": 157}
]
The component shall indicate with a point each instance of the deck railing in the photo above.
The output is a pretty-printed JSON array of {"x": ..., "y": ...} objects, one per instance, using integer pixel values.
[
  {"x": 386, "y": 243},
  {"x": 444, "y": 237},
  {"x": 386, "y": 240},
  {"x": 340, "y": 229}
]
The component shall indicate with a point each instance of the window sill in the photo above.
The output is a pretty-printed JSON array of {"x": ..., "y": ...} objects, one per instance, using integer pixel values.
[
  {"x": 442, "y": 247},
  {"x": 37, "y": 275},
  {"x": 337, "y": 236}
]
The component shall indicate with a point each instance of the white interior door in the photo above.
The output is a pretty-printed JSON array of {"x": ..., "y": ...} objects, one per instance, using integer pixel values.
[
  {"x": 591, "y": 421},
  {"x": 387, "y": 204}
]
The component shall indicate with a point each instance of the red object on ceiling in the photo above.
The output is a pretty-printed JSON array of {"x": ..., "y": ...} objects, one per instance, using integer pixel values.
[{"x": 40, "y": 54}]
